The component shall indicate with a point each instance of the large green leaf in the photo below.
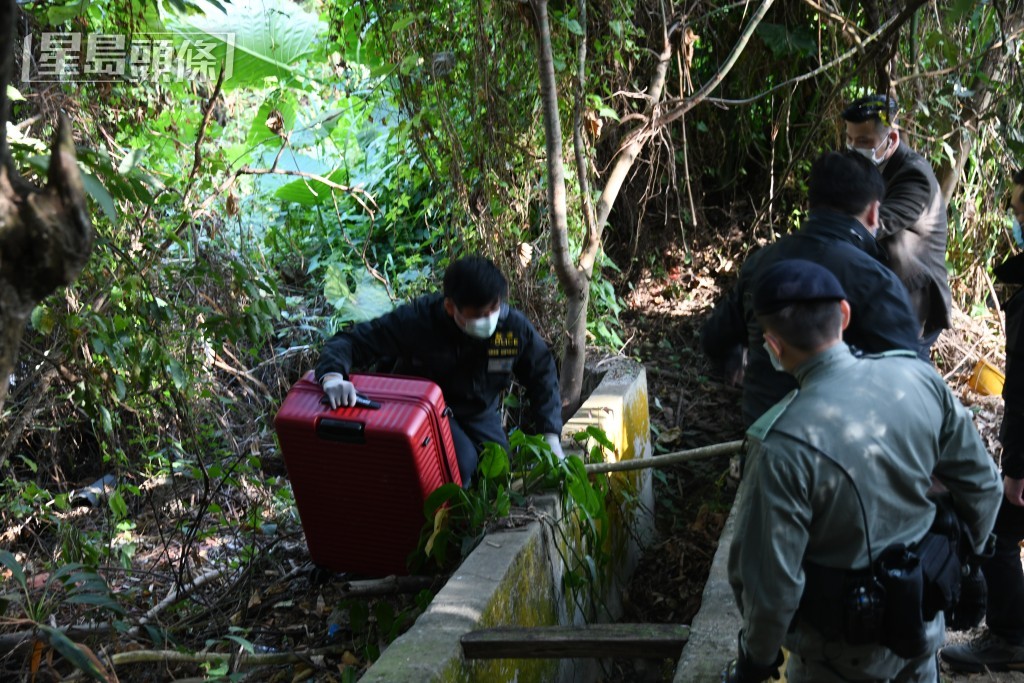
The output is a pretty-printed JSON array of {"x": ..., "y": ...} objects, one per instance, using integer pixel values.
[
  {"x": 368, "y": 300},
  {"x": 256, "y": 39}
]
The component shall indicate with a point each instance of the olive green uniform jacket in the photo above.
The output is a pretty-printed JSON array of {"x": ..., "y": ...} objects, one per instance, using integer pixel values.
[{"x": 891, "y": 422}]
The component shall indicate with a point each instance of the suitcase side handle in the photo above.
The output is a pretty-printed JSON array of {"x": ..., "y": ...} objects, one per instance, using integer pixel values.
[{"x": 345, "y": 431}]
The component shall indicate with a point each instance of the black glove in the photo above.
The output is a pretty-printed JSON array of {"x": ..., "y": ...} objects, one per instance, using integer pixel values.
[
  {"x": 742, "y": 670},
  {"x": 969, "y": 610}
]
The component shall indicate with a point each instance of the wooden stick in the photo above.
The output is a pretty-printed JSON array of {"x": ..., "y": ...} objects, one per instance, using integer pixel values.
[
  {"x": 702, "y": 453},
  {"x": 244, "y": 660},
  {"x": 649, "y": 641}
]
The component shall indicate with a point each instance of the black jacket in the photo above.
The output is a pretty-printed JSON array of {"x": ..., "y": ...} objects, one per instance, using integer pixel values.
[
  {"x": 913, "y": 235},
  {"x": 1011, "y": 434},
  {"x": 472, "y": 373},
  {"x": 881, "y": 317}
]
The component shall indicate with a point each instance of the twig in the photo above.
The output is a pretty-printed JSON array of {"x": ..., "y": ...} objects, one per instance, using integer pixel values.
[{"x": 178, "y": 593}]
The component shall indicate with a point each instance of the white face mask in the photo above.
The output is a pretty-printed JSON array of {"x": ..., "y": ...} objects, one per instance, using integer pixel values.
[
  {"x": 482, "y": 328},
  {"x": 776, "y": 363},
  {"x": 869, "y": 152}
]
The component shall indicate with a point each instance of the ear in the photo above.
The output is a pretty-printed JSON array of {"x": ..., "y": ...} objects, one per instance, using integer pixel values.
[
  {"x": 449, "y": 307},
  {"x": 775, "y": 343},
  {"x": 844, "y": 306},
  {"x": 872, "y": 218}
]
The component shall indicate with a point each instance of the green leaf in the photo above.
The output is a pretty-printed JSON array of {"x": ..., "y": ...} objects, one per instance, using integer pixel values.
[
  {"x": 245, "y": 644},
  {"x": 404, "y": 22},
  {"x": 59, "y": 14},
  {"x": 104, "y": 601},
  {"x": 310, "y": 192},
  {"x": 441, "y": 495},
  {"x": 42, "y": 319},
  {"x": 14, "y": 95},
  {"x": 80, "y": 656},
  {"x": 573, "y": 26},
  {"x": 282, "y": 101},
  {"x": 99, "y": 194},
  {"x": 117, "y": 505},
  {"x": 130, "y": 161},
  {"x": 494, "y": 462},
  {"x": 271, "y": 38},
  {"x": 8, "y": 560},
  {"x": 958, "y": 12},
  {"x": 368, "y": 300},
  {"x": 177, "y": 374},
  {"x": 785, "y": 42}
]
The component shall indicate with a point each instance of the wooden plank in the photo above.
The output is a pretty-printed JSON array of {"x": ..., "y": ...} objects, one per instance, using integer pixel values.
[{"x": 649, "y": 641}]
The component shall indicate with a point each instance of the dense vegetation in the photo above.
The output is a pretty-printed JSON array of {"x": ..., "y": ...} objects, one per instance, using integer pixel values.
[{"x": 352, "y": 150}]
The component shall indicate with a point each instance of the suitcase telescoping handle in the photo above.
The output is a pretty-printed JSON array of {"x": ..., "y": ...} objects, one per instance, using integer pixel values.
[{"x": 345, "y": 431}]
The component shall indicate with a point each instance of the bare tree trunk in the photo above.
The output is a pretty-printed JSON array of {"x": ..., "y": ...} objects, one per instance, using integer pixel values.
[
  {"x": 574, "y": 281},
  {"x": 575, "y": 277},
  {"x": 45, "y": 233}
]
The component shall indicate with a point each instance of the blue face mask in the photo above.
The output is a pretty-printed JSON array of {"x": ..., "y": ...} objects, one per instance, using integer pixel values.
[{"x": 1017, "y": 237}]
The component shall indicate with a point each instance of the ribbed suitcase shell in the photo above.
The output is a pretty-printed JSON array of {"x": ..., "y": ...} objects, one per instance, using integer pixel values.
[{"x": 360, "y": 498}]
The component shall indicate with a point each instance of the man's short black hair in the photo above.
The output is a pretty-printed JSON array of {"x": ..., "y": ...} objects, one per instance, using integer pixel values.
[
  {"x": 1018, "y": 176},
  {"x": 474, "y": 281},
  {"x": 806, "y": 325},
  {"x": 845, "y": 182},
  {"x": 877, "y": 107}
]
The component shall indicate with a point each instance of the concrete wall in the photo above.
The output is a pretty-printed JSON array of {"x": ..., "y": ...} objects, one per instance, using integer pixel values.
[
  {"x": 514, "y": 577},
  {"x": 713, "y": 632}
]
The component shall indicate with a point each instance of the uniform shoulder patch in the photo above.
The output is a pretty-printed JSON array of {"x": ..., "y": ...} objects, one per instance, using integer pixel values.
[{"x": 759, "y": 430}]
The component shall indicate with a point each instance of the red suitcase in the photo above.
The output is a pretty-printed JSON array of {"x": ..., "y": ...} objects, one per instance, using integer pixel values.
[{"x": 361, "y": 475}]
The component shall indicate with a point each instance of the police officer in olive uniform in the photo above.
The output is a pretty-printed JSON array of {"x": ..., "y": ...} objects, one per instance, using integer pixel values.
[
  {"x": 469, "y": 342},
  {"x": 836, "y": 472}
]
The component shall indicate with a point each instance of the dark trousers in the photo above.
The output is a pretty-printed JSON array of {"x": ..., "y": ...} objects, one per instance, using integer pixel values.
[
  {"x": 469, "y": 434},
  {"x": 1005, "y": 579}
]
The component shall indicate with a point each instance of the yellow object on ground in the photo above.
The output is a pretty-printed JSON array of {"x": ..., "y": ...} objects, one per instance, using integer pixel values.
[{"x": 986, "y": 379}]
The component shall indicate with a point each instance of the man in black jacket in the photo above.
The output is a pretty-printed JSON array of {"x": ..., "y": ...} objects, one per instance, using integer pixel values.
[
  {"x": 1001, "y": 646},
  {"x": 469, "y": 342},
  {"x": 844, "y": 191},
  {"x": 912, "y": 230}
]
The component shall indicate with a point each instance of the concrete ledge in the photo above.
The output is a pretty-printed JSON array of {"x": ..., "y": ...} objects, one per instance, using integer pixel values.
[
  {"x": 713, "y": 631},
  {"x": 514, "y": 578}
]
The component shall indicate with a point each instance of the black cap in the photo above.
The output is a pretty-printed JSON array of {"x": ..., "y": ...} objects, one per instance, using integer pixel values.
[
  {"x": 792, "y": 281},
  {"x": 881, "y": 107}
]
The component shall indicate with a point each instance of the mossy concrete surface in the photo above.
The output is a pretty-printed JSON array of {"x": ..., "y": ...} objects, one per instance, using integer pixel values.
[{"x": 514, "y": 577}]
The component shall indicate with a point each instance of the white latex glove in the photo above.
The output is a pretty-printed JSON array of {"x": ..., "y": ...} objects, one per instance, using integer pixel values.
[
  {"x": 340, "y": 392},
  {"x": 556, "y": 445}
]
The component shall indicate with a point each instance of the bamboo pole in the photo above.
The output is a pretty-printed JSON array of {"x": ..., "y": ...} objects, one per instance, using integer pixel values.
[{"x": 702, "y": 453}]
